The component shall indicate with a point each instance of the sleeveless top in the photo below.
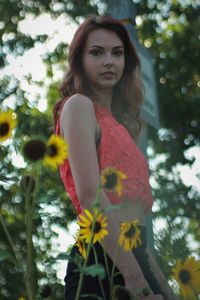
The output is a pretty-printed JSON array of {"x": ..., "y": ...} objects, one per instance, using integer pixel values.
[{"x": 116, "y": 149}]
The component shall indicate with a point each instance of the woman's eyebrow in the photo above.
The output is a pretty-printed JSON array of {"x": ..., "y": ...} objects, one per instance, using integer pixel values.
[{"x": 100, "y": 47}]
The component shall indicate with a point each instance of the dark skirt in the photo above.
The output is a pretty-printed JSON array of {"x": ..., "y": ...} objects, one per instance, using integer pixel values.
[{"x": 91, "y": 284}]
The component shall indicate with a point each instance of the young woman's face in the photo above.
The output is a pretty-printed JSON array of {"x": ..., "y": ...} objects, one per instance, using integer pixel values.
[{"x": 103, "y": 59}]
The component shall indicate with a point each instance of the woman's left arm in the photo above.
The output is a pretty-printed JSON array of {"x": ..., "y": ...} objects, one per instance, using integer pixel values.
[{"x": 165, "y": 287}]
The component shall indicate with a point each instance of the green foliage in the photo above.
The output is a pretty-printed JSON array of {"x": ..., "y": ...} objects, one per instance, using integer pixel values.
[
  {"x": 170, "y": 30},
  {"x": 95, "y": 270}
]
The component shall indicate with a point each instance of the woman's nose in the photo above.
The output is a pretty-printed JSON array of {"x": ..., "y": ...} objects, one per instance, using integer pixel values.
[{"x": 108, "y": 61}]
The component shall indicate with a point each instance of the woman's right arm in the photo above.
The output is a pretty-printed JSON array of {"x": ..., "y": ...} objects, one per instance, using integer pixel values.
[{"x": 78, "y": 128}]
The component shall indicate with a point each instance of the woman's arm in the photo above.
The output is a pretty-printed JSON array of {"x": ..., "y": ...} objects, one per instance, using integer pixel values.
[
  {"x": 78, "y": 128},
  {"x": 163, "y": 283}
]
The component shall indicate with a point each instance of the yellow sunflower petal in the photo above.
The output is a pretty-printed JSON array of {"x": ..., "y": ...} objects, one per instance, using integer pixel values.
[
  {"x": 84, "y": 230},
  {"x": 121, "y": 175},
  {"x": 7, "y": 124},
  {"x": 82, "y": 224},
  {"x": 84, "y": 220},
  {"x": 57, "y": 151},
  {"x": 104, "y": 232},
  {"x": 119, "y": 189},
  {"x": 120, "y": 240},
  {"x": 127, "y": 245},
  {"x": 89, "y": 215}
]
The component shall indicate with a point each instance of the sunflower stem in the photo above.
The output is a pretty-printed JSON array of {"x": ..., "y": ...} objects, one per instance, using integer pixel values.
[
  {"x": 106, "y": 262},
  {"x": 29, "y": 246},
  {"x": 85, "y": 262},
  {"x": 30, "y": 264},
  {"x": 113, "y": 268},
  {"x": 100, "y": 282},
  {"x": 96, "y": 202},
  {"x": 95, "y": 207}
]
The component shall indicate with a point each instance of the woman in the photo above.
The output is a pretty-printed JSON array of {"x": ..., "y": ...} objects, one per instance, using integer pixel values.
[{"x": 99, "y": 116}]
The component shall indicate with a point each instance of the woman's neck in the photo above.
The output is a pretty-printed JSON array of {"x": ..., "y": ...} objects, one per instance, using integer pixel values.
[{"x": 104, "y": 98}]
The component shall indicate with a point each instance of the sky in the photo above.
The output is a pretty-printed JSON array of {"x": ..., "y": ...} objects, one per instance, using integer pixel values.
[{"x": 31, "y": 63}]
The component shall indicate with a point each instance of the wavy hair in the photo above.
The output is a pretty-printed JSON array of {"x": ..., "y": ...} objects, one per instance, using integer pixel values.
[{"x": 127, "y": 93}]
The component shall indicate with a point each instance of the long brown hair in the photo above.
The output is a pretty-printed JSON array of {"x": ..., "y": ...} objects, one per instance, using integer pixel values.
[{"x": 127, "y": 93}]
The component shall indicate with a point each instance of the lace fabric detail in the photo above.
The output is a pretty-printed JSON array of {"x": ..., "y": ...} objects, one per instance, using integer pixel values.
[{"x": 116, "y": 149}]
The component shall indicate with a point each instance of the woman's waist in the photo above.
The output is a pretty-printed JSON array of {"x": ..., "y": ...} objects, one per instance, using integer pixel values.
[
  {"x": 140, "y": 203},
  {"x": 130, "y": 210}
]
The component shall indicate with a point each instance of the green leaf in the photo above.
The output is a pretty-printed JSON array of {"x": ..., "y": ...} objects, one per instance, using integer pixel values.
[
  {"x": 95, "y": 205},
  {"x": 61, "y": 256},
  {"x": 4, "y": 255},
  {"x": 95, "y": 270},
  {"x": 114, "y": 207}
]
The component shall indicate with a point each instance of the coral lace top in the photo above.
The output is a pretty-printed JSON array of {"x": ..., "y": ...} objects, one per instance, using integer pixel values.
[{"x": 116, "y": 148}]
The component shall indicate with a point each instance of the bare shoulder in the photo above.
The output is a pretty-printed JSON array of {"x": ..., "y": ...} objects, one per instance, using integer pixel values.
[
  {"x": 77, "y": 103},
  {"x": 78, "y": 110}
]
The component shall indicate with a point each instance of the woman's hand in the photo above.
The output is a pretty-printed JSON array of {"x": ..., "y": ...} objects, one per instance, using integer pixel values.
[{"x": 141, "y": 296}]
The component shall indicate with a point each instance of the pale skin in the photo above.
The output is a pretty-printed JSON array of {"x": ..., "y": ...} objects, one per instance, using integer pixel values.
[{"x": 103, "y": 62}]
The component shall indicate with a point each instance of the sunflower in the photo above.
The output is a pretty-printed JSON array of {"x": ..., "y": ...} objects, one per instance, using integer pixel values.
[
  {"x": 86, "y": 223},
  {"x": 45, "y": 291},
  {"x": 81, "y": 246},
  {"x": 187, "y": 274},
  {"x": 57, "y": 151},
  {"x": 129, "y": 236},
  {"x": 34, "y": 150},
  {"x": 7, "y": 124},
  {"x": 111, "y": 179}
]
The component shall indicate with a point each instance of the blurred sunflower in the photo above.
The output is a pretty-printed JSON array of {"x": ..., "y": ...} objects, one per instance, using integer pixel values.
[
  {"x": 86, "y": 223},
  {"x": 111, "y": 179},
  {"x": 81, "y": 246},
  {"x": 129, "y": 236},
  {"x": 187, "y": 274},
  {"x": 7, "y": 124},
  {"x": 34, "y": 150},
  {"x": 57, "y": 151},
  {"x": 45, "y": 291}
]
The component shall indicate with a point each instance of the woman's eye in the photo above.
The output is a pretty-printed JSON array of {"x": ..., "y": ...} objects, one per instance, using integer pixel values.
[
  {"x": 95, "y": 52},
  {"x": 118, "y": 53}
]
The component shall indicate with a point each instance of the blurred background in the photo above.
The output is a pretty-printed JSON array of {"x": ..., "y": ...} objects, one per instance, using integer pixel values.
[{"x": 34, "y": 39}]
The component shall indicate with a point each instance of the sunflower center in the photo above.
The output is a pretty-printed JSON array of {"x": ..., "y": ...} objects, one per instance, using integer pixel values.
[
  {"x": 4, "y": 128},
  {"x": 130, "y": 233},
  {"x": 52, "y": 150},
  {"x": 111, "y": 180},
  {"x": 184, "y": 276},
  {"x": 97, "y": 227},
  {"x": 34, "y": 150}
]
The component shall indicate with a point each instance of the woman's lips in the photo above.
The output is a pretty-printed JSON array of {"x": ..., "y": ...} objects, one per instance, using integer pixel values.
[{"x": 107, "y": 74}]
